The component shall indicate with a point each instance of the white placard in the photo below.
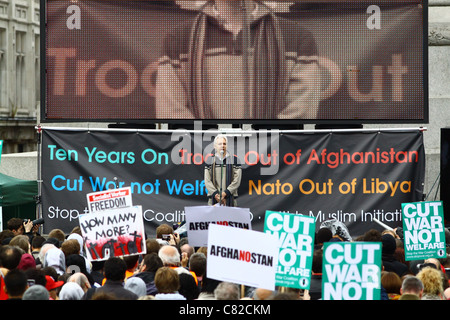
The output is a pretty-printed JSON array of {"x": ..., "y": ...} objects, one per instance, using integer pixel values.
[
  {"x": 242, "y": 256},
  {"x": 117, "y": 232},
  {"x": 199, "y": 218}
]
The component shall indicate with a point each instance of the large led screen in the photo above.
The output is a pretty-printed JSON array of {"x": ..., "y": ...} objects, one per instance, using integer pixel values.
[{"x": 235, "y": 61}]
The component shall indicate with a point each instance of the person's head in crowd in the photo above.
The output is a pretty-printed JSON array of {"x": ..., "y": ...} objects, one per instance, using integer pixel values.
[
  {"x": 388, "y": 244},
  {"x": 372, "y": 235},
  {"x": 10, "y": 257},
  {"x": 55, "y": 258},
  {"x": 76, "y": 263},
  {"x": 101, "y": 295},
  {"x": 170, "y": 256},
  {"x": 71, "y": 246},
  {"x": 71, "y": 291},
  {"x": 203, "y": 250},
  {"x": 37, "y": 276},
  {"x": 6, "y": 236},
  {"x": 162, "y": 230},
  {"x": 132, "y": 263},
  {"x": 36, "y": 292},
  {"x": 186, "y": 248},
  {"x": 262, "y": 294},
  {"x": 391, "y": 232},
  {"x": 81, "y": 279},
  {"x": 53, "y": 241},
  {"x": 433, "y": 261},
  {"x": 15, "y": 225},
  {"x": 115, "y": 269},
  {"x": 391, "y": 282},
  {"x": 197, "y": 264},
  {"x": 284, "y": 296},
  {"x": 15, "y": 283},
  {"x": 208, "y": 286},
  {"x": 52, "y": 286},
  {"x": 37, "y": 242},
  {"x": 57, "y": 234},
  {"x": 167, "y": 280},
  {"x": 27, "y": 262},
  {"x": 21, "y": 241},
  {"x": 136, "y": 285},
  {"x": 323, "y": 235},
  {"x": 316, "y": 266},
  {"x": 50, "y": 271},
  {"x": 77, "y": 230},
  {"x": 78, "y": 238},
  {"x": 45, "y": 247},
  {"x": 152, "y": 245},
  {"x": 412, "y": 288},
  {"x": 188, "y": 287},
  {"x": 432, "y": 280},
  {"x": 151, "y": 262},
  {"x": 227, "y": 291}
]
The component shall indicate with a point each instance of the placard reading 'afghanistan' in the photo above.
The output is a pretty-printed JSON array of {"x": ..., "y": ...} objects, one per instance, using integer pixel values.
[
  {"x": 198, "y": 220},
  {"x": 242, "y": 256},
  {"x": 155, "y": 60}
]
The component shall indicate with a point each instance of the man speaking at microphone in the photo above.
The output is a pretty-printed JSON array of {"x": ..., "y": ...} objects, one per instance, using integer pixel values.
[{"x": 222, "y": 175}]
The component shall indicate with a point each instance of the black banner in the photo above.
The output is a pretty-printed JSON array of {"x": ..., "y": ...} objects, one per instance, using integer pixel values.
[{"x": 354, "y": 177}]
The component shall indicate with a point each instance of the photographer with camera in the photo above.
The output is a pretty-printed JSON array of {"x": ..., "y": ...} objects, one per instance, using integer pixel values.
[
  {"x": 24, "y": 226},
  {"x": 165, "y": 234}
]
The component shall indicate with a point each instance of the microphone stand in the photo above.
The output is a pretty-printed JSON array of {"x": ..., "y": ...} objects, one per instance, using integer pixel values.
[{"x": 221, "y": 177}]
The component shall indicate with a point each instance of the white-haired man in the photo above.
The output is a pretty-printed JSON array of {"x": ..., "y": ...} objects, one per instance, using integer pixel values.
[{"x": 223, "y": 175}]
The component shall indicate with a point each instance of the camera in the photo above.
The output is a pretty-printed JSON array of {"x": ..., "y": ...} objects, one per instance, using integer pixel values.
[
  {"x": 166, "y": 237},
  {"x": 35, "y": 222}
]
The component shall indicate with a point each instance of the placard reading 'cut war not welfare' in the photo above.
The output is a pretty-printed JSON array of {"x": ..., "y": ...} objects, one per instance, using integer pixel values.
[
  {"x": 423, "y": 230},
  {"x": 295, "y": 234},
  {"x": 110, "y": 233},
  {"x": 351, "y": 271}
]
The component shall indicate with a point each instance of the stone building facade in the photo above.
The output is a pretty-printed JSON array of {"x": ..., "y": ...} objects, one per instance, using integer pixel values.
[{"x": 19, "y": 74}]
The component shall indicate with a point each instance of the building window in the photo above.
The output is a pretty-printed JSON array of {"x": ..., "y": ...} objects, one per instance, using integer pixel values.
[
  {"x": 2, "y": 68},
  {"x": 20, "y": 70}
]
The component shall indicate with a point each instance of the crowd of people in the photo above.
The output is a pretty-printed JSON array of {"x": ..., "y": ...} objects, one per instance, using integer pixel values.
[{"x": 55, "y": 267}]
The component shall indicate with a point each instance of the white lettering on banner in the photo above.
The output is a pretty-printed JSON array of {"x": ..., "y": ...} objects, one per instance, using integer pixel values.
[{"x": 336, "y": 254}]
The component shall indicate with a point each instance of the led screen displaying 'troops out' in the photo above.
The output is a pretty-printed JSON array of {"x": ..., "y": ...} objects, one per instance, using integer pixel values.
[{"x": 235, "y": 61}]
